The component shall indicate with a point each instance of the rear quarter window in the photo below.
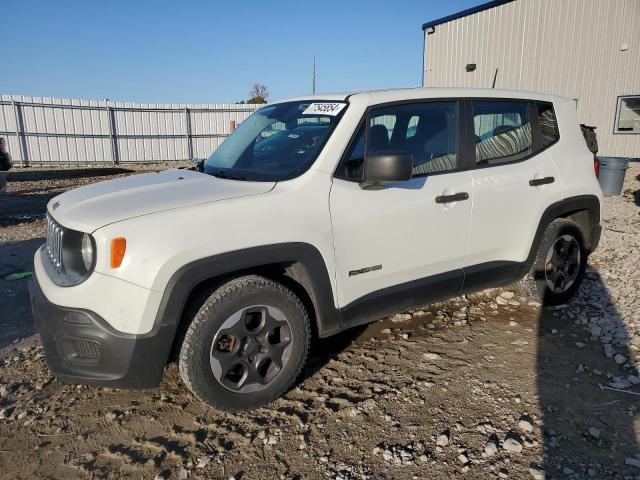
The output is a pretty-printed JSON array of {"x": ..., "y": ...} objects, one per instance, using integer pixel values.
[{"x": 549, "y": 133}]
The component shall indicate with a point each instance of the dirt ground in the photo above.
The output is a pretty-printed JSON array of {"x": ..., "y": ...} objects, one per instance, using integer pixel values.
[{"x": 483, "y": 386}]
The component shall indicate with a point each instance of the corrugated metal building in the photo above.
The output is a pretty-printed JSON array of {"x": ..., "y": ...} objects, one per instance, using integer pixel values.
[{"x": 584, "y": 49}]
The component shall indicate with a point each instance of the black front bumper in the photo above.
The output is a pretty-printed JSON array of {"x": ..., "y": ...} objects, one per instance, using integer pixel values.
[{"x": 82, "y": 348}]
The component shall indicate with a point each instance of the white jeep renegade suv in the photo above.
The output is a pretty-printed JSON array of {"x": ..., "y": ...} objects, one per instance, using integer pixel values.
[{"x": 317, "y": 214}]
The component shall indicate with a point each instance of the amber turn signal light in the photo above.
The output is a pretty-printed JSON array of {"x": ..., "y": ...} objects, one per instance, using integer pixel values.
[{"x": 118, "y": 247}]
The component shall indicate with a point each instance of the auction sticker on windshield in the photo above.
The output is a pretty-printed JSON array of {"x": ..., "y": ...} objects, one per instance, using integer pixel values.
[{"x": 332, "y": 109}]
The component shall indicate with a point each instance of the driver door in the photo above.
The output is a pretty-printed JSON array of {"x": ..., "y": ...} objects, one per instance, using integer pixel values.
[{"x": 403, "y": 244}]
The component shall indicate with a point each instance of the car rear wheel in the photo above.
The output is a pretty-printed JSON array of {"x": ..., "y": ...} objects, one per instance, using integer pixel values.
[
  {"x": 246, "y": 344},
  {"x": 560, "y": 264}
]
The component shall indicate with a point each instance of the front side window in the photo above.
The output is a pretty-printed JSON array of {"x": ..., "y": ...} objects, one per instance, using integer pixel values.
[
  {"x": 628, "y": 115},
  {"x": 502, "y": 131},
  {"x": 276, "y": 142},
  {"x": 427, "y": 130}
]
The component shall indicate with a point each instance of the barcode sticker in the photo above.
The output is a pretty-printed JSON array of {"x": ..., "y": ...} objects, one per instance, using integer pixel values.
[{"x": 332, "y": 109}]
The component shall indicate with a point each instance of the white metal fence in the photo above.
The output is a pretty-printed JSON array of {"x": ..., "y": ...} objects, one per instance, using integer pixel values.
[{"x": 44, "y": 130}]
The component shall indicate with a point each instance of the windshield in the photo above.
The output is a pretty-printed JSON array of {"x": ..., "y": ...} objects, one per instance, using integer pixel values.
[{"x": 276, "y": 142}]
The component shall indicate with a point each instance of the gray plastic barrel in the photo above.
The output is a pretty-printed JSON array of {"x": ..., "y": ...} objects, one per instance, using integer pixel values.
[{"x": 612, "y": 171}]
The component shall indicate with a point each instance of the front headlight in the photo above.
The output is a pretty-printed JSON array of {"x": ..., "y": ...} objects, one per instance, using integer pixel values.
[
  {"x": 88, "y": 252},
  {"x": 69, "y": 256}
]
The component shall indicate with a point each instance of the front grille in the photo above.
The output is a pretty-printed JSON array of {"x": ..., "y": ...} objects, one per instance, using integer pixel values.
[
  {"x": 55, "y": 232},
  {"x": 86, "y": 349}
]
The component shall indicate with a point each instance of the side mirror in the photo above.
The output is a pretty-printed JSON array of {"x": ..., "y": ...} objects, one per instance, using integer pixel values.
[{"x": 385, "y": 167}]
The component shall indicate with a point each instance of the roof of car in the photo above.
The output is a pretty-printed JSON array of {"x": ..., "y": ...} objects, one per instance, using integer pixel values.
[{"x": 392, "y": 95}]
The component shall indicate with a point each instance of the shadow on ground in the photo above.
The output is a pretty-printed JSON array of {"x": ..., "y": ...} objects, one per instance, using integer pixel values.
[
  {"x": 572, "y": 373},
  {"x": 16, "y": 320},
  {"x": 324, "y": 349},
  {"x": 26, "y": 208}
]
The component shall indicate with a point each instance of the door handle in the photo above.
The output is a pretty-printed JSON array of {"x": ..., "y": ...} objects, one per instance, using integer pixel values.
[
  {"x": 456, "y": 197},
  {"x": 536, "y": 182}
]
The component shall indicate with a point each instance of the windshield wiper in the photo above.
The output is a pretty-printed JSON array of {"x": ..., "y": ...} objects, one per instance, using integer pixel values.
[{"x": 229, "y": 176}]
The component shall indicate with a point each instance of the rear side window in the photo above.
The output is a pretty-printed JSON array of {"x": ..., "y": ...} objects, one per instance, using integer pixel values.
[
  {"x": 502, "y": 131},
  {"x": 549, "y": 133}
]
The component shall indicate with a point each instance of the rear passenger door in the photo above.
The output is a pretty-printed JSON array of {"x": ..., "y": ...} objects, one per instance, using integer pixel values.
[{"x": 514, "y": 181}]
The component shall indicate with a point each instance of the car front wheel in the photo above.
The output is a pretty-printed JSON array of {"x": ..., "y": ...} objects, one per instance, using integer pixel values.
[{"x": 246, "y": 344}]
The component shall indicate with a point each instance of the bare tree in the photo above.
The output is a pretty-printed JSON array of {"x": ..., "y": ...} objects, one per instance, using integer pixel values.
[{"x": 258, "y": 93}]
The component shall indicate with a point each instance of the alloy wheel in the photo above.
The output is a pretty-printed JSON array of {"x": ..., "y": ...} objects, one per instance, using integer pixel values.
[
  {"x": 562, "y": 265},
  {"x": 251, "y": 348}
]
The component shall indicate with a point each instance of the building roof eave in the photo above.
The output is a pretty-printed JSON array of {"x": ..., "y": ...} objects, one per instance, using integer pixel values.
[{"x": 465, "y": 13}]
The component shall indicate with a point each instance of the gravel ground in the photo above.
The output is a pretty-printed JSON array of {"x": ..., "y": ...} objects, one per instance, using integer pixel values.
[{"x": 484, "y": 386}]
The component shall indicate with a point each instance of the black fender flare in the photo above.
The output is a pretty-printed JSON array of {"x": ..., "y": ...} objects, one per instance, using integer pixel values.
[
  {"x": 562, "y": 208},
  {"x": 310, "y": 269}
]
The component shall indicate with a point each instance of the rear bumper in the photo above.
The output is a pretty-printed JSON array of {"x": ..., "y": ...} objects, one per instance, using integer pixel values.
[{"x": 81, "y": 347}]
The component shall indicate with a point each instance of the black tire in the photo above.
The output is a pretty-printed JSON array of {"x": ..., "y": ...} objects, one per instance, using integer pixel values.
[
  {"x": 536, "y": 285},
  {"x": 223, "y": 304},
  {"x": 5, "y": 162}
]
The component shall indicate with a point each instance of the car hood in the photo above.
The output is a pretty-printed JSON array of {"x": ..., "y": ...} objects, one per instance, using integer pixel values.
[{"x": 93, "y": 206}]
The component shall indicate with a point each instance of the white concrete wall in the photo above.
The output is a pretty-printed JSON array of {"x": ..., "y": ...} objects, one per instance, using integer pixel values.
[{"x": 574, "y": 48}]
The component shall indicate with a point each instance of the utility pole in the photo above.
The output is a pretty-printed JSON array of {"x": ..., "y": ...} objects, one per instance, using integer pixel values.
[{"x": 314, "y": 73}]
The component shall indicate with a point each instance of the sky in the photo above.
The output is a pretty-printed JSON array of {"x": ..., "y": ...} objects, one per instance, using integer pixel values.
[{"x": 211, "y": 51}]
